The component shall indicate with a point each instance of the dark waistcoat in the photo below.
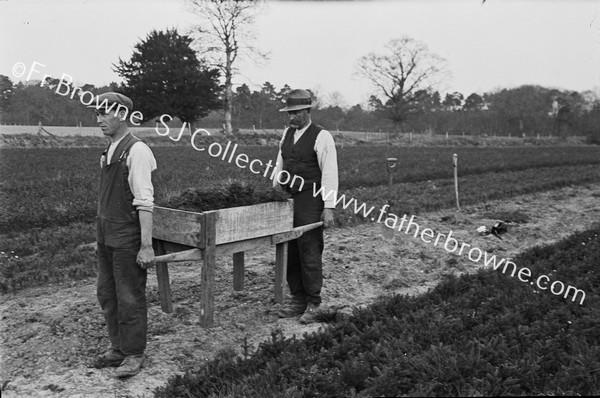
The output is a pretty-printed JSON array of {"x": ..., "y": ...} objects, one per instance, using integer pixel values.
[
  {"x": 300, "y": 159},
  {"x": 118, "y": 224}
]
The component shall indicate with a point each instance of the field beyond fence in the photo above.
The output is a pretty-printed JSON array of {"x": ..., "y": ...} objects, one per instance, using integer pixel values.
[{"x": 64, "y": 136}]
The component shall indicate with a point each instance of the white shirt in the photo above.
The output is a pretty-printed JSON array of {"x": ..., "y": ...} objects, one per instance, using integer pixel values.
[
  {"x": 327, "y": 159},
  {"x": 141, "y": 163}
]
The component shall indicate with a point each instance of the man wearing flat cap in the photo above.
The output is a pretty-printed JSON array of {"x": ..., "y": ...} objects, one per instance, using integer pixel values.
[
  {"x": 124, "y": 234},
  {"x": 307, "y": 151}
]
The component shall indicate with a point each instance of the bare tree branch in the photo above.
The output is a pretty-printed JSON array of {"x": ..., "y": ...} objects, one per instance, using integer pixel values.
[
  {"x": 406, "y": 67},
  {"x": 227, "y": 38}
]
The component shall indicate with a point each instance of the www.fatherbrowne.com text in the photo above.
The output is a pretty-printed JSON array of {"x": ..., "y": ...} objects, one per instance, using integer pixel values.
[{"x": 452, "y": 245}]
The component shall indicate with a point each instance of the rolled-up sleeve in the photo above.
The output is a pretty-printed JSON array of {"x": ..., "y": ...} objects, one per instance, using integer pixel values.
[
  {"x": 327, "y": 158},
  {"x": 141, "y": 164},
  {"x": 279, "y": 161}
]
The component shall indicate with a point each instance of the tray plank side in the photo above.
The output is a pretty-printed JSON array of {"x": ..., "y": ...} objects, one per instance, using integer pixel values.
[
  {"x": 247, "y": 222},
  {"x": 184, "y": 227}
]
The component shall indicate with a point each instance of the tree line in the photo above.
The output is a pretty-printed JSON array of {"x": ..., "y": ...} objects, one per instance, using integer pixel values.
[
  {"x": 167, "y": 75},
  {"x": 526, "y": 110}
]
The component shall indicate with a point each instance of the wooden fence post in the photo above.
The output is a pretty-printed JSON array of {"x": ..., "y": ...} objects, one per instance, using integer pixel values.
[
  {"x": 455, "y": 161},
  {"x": 388, "y": 233}
]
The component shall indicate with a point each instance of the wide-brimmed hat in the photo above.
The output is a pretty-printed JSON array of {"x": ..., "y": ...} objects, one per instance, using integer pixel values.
[
  {"x": 110, "y": 98},
  {"x": 296, "y": 100}
]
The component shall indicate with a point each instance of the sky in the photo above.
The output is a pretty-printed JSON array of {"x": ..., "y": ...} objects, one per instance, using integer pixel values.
[{"x": 316, "y": 45}]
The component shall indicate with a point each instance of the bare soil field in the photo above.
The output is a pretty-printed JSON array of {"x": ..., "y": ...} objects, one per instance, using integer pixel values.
[{"x": 51, "y": 335}]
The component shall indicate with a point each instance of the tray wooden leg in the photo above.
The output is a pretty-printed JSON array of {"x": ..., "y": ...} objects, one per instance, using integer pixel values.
[
  {"x": 162, "y": 275},
  {"x": 208, "y": 272},
  {"x": 238, "y": 271},
  {"x": 281, "y": 254}
]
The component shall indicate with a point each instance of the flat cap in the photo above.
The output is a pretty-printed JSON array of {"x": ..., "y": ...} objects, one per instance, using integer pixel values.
[{"x": 111, "y": 98}]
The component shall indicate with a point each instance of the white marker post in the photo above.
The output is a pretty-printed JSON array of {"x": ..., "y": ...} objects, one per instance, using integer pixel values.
[
  {"x": 455, "y": 161},
  {"x": 388, "y": 233}
]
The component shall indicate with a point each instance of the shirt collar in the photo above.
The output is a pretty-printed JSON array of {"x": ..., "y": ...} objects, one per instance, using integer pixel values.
[
  {"x": 302, "y": 130},
  {"x": 114, "y": 144}
]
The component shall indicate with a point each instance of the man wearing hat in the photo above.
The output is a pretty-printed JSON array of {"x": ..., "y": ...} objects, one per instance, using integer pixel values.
[
  {"x": 307, "y": 151},
  {"x": 124, "y": 234}
]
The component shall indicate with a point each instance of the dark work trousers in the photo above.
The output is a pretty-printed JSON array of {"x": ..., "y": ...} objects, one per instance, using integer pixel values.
[
  {"x": 304, "y": 266},
  {"x": 121, "y": 288},
  {"x": 122, "y": 297}
]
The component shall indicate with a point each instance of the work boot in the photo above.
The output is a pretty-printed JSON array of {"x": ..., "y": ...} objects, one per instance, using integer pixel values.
[
  {"x": 311, "y": 313},
  {"x": 130, "y": 366},
  {"x": 111, "y": 357},
  {"x": 294, "y": 307}
]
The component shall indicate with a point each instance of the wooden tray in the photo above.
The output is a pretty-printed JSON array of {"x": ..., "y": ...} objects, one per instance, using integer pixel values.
[{"x": 232, "y": 224}]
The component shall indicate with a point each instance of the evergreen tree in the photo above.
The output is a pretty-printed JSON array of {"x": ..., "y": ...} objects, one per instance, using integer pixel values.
[
  {"x": 473, "y": 102},
  {"x": 6, "y": 91},
  {"x": 453, "y": 102},
  {"x": 164, "y": 76}
]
